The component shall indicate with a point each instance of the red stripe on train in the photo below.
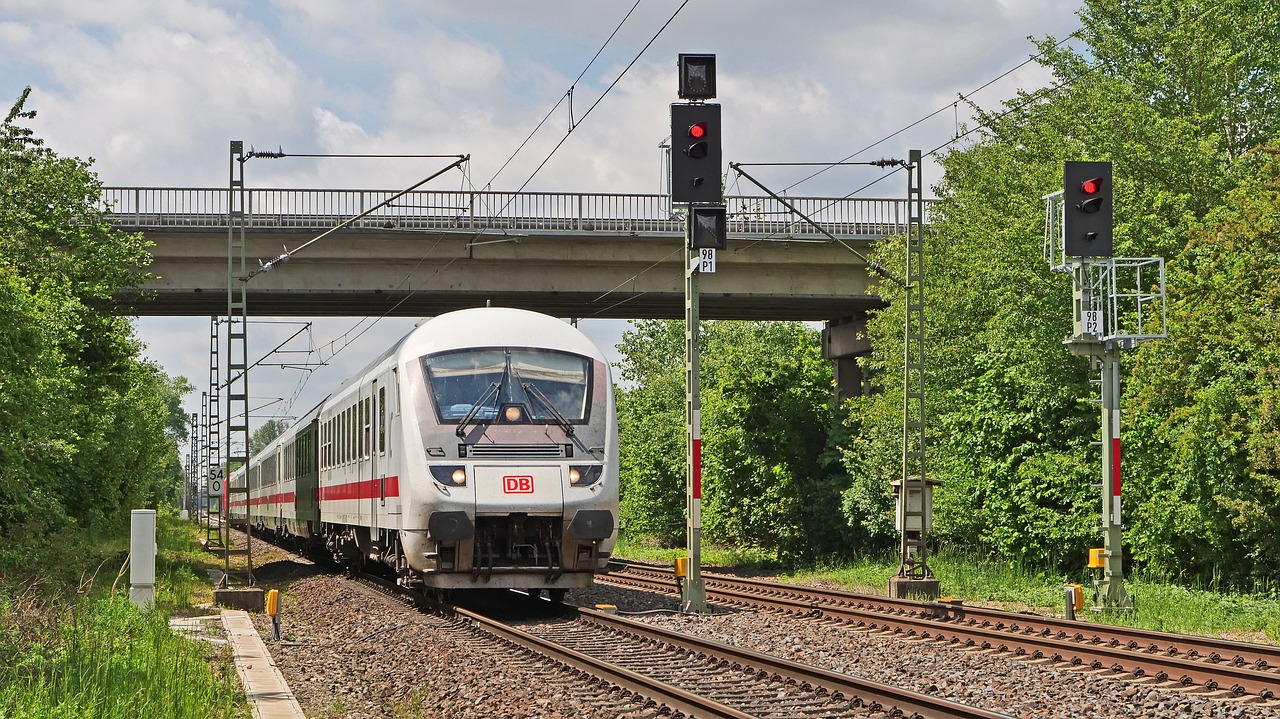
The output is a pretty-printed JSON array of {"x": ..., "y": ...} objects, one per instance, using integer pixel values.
[
  {"x": 386, "y": 487},
  {"x": 282, "y": 498}
]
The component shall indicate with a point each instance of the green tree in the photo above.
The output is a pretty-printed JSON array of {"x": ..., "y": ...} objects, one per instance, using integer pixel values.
[
  {"x": 83, "y": 418},
  {"x": 1173, "y": 93},
  {"x": 36, "y": 395},
  {"x": 651, "y": 430},
  {"x": 265, "y": 433},
  {"x": 771, "y": 476},
  {"x": 1206, "y": 401}
]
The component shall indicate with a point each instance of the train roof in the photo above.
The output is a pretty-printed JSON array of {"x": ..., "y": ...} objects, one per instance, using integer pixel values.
[
  {"x": 498, "y": 327},
  {"x": 293, "y": 430},
  {"x": 484, "y": 327}
]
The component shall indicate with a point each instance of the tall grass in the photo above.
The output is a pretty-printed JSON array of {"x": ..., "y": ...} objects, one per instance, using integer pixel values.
[
  {"x": 73, "y": 646},
  {"x": 106, "y": 659}
]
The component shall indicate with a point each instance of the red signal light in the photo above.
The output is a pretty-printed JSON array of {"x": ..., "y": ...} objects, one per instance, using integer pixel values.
[
  {"x": 1090, "y": 187},
  {"x": 698, "y": 130}
]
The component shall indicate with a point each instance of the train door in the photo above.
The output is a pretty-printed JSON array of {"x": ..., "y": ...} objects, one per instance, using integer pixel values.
[
  {"x": 369, "y": 473},
  {"x": 383, "y": 407},
  {"x": 369, "y": 419}
]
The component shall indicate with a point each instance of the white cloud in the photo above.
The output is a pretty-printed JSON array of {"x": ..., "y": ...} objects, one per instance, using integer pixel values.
[{"x": 154, "y": 90}]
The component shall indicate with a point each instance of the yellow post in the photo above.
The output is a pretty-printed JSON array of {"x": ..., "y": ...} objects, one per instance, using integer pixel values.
[{"x": 273, "y": 611}]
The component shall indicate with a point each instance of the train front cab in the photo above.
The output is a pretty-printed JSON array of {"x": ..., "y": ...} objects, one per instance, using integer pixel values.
[{"x": 520, "y": 445}]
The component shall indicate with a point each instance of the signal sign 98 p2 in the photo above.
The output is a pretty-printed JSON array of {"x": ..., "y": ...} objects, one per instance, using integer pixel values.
[{"x": 1087, "y": 216}]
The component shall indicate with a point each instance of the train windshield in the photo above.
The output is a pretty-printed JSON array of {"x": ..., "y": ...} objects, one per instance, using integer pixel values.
[{"x": 476, "y": 384}]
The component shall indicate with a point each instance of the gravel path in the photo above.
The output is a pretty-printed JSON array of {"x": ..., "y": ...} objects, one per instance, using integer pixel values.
[{"x": 347, "y": 653}]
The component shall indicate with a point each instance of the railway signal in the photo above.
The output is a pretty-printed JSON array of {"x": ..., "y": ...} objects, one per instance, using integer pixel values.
[
  {"x": 1087, "y": 218},
  {"x": 697, "y": 76},
  {"x": 1117, "y": 303},
  {"x": 695, "y": 153},
  {"x": 707, "y": 227},
  {"x": 695, "y": 180}
]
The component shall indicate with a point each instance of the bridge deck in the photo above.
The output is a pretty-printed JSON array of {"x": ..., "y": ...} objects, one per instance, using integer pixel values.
[{"x": 571, "y": 255}]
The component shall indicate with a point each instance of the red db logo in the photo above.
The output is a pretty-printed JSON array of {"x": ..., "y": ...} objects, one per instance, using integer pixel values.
[{"x": 517, "y": 484}]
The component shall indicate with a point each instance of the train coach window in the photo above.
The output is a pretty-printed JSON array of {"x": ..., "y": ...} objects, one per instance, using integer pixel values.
[
  {"x": 477, "y": 382},
  {"x": 366, "y": 434},
  {"x": 348, "y": 435},
  {"x": 382, "y": 420}
]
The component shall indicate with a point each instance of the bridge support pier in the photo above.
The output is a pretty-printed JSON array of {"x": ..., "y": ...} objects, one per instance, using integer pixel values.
[{"x": 844, "y": 340}]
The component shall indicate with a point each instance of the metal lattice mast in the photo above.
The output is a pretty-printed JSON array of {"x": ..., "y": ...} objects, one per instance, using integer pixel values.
[
  {"x": 913, "y": 495},
  {"x": 237, "y": 442},
  {"x": 191, "y": 495},
  {"x": 213, "y": 441}
]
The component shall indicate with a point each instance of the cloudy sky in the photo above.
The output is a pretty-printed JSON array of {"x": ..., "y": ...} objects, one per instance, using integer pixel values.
[{"x": 153, "y": 90}]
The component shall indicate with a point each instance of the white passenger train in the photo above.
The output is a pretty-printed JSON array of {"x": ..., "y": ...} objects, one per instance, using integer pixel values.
[{"x": 480, "y": 451}]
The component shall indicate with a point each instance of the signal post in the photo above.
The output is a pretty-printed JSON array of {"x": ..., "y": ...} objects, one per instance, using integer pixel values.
[
  {"x": 1112, "y": 299},
  {"x": 695, "y": 180}
]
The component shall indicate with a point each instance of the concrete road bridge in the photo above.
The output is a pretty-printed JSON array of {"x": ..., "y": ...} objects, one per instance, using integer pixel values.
[
  {"x": 566, "y": 254},
  {"x": 583, "y": 255}
]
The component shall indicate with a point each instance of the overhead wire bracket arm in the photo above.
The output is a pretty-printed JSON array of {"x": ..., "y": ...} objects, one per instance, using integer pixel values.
[
  {"x": 875, "y": 267},
  {"x": 347, "y": 222}
]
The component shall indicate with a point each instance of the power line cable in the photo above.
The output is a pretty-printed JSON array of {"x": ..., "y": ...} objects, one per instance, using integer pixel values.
[
  {"x": 602, "y": 96},
  {"x": 935, "y": 113},
  {"x": 1031, "y": 98},
  {"x": 544, "y": 162},
  {"x": 568, "y": 94}
]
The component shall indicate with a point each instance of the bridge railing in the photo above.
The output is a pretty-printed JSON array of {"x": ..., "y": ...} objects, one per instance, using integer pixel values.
[{"x": 587, "y": 213}]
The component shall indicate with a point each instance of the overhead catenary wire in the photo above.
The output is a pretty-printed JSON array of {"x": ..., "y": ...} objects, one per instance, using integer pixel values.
[
  {"x": 931, "y": 115},
  {"x": 567, "y": 95},
  {"x": 846, "y": 161},
  {"x": 347, "y": 222},
  {"x": 966, "y": 98},
  {"x": 603, "y": 95},
  {"x": 1032, "y": 97},
  {"x": 573, "y": 126}
]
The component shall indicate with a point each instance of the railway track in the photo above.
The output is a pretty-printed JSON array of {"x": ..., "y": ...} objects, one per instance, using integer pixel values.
[
  {"x": 686, "y": 675},
  {"x": 751, "y": 683},
  {"x": 1228, "y": 669}
]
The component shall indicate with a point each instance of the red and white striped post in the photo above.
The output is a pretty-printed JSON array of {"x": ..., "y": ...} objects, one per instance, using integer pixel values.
[{"x": 1110, "y": 593}]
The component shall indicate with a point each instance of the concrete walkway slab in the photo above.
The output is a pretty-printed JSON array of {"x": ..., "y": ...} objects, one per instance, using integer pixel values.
[{"x": 264, "y": 686}]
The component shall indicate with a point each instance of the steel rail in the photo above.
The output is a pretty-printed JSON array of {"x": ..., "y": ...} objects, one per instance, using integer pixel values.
[
  {"x": 891, "y": 699},
  {"x": 1212, "y": 649},
  {"x": 671, "y": 696},
  {"x": 655, "y": 690},
  {"x": 1020, "y": 636}
]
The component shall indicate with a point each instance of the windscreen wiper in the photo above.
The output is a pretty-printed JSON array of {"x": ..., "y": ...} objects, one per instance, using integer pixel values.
[
  {"x": 532, "y": 390},
  {"x": 461, "y": 431}
]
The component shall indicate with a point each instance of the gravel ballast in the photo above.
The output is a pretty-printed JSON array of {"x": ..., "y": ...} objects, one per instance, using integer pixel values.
[{"x": 347, "y": 652}]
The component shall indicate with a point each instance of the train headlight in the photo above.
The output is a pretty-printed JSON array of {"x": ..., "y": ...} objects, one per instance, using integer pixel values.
[
  {"x": 449, "y": 475},
  {"x": 513, "y": 413},
  {"x": 585, "y": 475}
]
